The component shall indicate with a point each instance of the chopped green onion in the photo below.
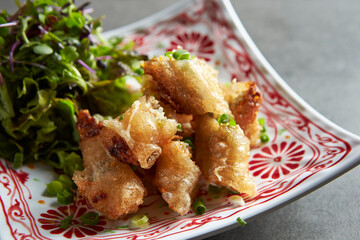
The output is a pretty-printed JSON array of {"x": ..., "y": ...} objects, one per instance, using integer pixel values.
[
  {"x": 54, "y": 187},
  {"x": 264, "y": 138},
  {"x": 263, "y": 130},
  {"x": 199, "y": 206},
  {"x": 121, "y": 117},
  {"x": 261, "y": 121},
  {"x": 123, "y": 227},
  {"x": 189, "y": 142},
  {"x": 140, "y": 221},
  {"x": 140, "y": 71},
  {"x": 214, "y": 189},
  {"x": 232, "y": 123},
  {"x": 65, "y": 197},
  {"x": 241, "y": 222},
  {"x": 232, "y": 192},
  {"x": 178, "y": 127},
  {"x": 66, "y": 181},
  {"x": 90, "y": 218},
  {"x": 181, "y": 54},
  {"x": 65, "y": 223},
  {"x": 226, "y": 118},
  {"x": 168, "y": 54}
]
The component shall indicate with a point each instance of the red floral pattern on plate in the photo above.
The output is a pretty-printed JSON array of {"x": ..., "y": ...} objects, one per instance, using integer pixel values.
[
  {"x": 279, "y": 167},
  {"x": 196, "y": 43},
  {"x": 51, "y": 220},
  {"x": 276, "y": 160}
]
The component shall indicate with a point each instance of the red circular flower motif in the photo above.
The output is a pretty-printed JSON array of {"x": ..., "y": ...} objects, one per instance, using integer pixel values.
[
  {"x": 52, "y": 221},
  {"x": 200, "y": 45},
  {"x": 276, "y": 160}
]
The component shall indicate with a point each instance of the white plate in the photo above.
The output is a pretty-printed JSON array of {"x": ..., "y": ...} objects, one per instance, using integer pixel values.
[{"x": 305, "y": 149}]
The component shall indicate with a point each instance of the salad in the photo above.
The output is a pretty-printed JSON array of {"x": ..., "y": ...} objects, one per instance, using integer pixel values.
[{"x": 53, "y": 62}]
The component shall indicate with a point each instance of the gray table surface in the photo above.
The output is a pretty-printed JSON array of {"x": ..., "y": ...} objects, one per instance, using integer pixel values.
[{"x": 315, "y": 46}]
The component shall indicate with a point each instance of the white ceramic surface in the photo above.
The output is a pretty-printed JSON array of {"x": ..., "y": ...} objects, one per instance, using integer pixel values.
[{"x": 305, "y": 150}]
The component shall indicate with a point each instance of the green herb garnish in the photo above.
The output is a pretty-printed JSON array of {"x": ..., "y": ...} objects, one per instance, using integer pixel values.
[
  {"x": 241, "y": 222},
  {"x": 189, "y": 142},
  {"x": 65, "y": 197},
  {"x": 214, "y": 189},
  {"x": 90, "y": 218},
  {"x": 264, "y": 138},
  {"x": 181, "y": 54},
  {"x": 139, "y": 221},
  {"x": 123, "y": 227},
  {"x": 199, "y": 206},
  {"x": 178, "y": 127},
  {"x": 65, "y": 223},
  {"x": 169, "y": 54},
  {"x": 226, "y": 119},
  {"x": 54, "y": 187}
]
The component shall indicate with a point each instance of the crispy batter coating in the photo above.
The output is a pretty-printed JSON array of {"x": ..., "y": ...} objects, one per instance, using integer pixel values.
[
  {"x": 110, "y": 186},
  {"x": 189, "y": 86},
  {"x": 144, "y": 129},
  {"x": 116, "y": 145},
  {"x": 244, "y": 99},
  {"x": 177, "y": 177},
  {"x": 87, "y": 125},
  {"x": 222, "y": 153}
]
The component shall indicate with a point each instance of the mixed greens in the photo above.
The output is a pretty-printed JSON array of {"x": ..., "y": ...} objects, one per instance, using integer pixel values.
[{"x": 53, "y": 62}]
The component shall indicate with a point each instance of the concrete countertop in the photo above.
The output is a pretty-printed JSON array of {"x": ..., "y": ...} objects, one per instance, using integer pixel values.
[{"x": 314, "y": 46}]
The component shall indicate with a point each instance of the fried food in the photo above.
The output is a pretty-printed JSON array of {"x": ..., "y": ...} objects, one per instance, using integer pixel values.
[
  {"x": 222, "y": 153},
  {"x": 189, "y": 86},
  {"x": 144, "y": 129},
  {"x": 109, "y": 185},
  {"x": 244, "y": 99},
  {"x": 177, "y": 177}
]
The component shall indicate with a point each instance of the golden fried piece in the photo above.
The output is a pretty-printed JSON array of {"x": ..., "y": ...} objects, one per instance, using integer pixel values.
[
  {"x": 189, "y": 86},
  {"x": 244, "y": 99},
  {"x": 109, "y": 185},
  {"x": 222, "y": 153},
  {"x": 116, "y": 145},
  {"x": 177, "y": 177},
  {"x": 144, "y": 129}
]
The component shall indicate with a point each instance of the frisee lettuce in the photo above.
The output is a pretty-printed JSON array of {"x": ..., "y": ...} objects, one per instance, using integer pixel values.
[{"x": 53, "y": 62}]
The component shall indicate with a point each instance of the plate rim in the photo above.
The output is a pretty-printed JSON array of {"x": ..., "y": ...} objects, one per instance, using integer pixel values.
[{"x": 286, "y": 91}]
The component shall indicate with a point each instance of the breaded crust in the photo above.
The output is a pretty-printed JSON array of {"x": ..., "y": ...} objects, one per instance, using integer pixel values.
[
  {"x": 177, "y": 177},
  {"x": 109, "y": 185},
  {"x": 144, "y": 129},
  {"x": 189, "y": 86},
  {"x": 244, "y": 99},
  {"x": 222, "y": 153}
]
